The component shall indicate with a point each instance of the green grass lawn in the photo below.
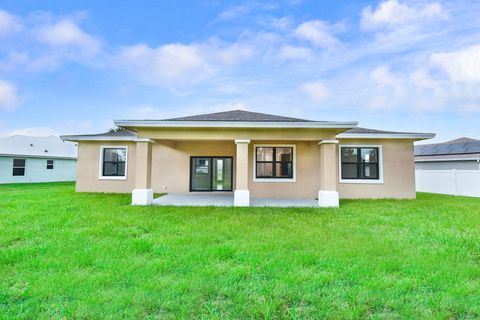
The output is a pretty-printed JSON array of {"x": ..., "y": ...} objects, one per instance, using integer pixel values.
[{"x": 93, "y": 256}]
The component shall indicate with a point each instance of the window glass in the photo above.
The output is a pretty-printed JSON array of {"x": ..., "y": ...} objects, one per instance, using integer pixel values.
[
  {"x": 283, "y": 170},
  {"x": 284, "y": 154},
  {"x": 349, "y": 154},
  {"x": 349, "y": 170},
  {"x": 19, "y": 162},
  {"x": 114, "y": 162},
  {"x": 359, "y": 163},
  {"x": 264, "y": 154},
  {"x": 369, "y": 155},
  {"x": 264, "y": 169},
  {"x": 18, "y": 168},
  {"x": 274, "y": 162},
  {"x": 49, "y": 164}
]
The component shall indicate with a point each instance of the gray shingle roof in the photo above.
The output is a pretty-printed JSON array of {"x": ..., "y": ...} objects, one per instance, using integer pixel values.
[
  {"x": 457, "y": 146},
  {"x": 238, "y": 115}
]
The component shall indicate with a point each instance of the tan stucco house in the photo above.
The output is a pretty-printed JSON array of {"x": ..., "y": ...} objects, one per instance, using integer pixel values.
[{"x": 250, "y": 155}]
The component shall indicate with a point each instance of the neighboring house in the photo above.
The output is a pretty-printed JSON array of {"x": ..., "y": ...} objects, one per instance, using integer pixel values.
[
  {"x": 25, "y": 159},
  {"x": 250, "y": 154},
  {"x": 451, "y": 167}
]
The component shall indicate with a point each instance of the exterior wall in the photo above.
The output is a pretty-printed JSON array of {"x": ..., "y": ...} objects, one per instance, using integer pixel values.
[
  {"x": 448, "y": 165},
  {"x": 171, "y": 162},
  {"x": 88, "y": 168},
  {"x": 398, "y": 171},
  {"x": 307, "y": 182},
  {"x": 36, "y": 170},
  {"x": 171, "y": 168}
]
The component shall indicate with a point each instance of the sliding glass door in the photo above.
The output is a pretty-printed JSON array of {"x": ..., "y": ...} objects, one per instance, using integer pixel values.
[{"x": 211, "y": 173}]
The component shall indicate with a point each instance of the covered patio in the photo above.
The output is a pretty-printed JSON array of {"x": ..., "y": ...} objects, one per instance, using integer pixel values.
[{"x": 227, "y": 200}]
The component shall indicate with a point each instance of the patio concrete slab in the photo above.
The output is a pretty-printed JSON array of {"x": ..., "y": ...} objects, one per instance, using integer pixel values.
[
  {"x": 226, "y": 200},
  {"x": 217, "y": 200}
]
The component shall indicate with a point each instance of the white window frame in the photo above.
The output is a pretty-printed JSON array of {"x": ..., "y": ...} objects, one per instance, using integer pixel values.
[
  {"x": 100, "y": 164},
  {"x": 269, "y": 180},
  {"x": 363, "y": 181}
]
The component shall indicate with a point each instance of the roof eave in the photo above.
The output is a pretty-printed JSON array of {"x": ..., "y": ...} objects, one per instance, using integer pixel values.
[
  {"x": 414, "y": 136},
  {"x": 37, "y": 156},
  {"x": 95, "y": 138},
  {"x": 234, "y": 124}
]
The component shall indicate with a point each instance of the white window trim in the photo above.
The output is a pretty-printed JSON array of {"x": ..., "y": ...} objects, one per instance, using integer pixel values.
[
  {"x": 100, "y": 164},
  {"x": 269, "y": 180},
  {"x": 362, "y": 181}
]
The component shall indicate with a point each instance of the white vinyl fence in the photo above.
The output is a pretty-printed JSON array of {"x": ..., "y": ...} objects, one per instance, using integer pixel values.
[{"x": 454, "y": 182}]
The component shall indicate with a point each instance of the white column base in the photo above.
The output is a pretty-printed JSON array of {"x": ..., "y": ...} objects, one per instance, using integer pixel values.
[
  {"x": 142, "y": 197},
  {"x": 241, "y": 198},
  {"x": 328, "y": 199}
]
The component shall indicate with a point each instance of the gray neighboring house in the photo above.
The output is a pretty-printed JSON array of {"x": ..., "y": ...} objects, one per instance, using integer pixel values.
[
  {"x": 25, "y": 159},
  {"x": 458, "y": 154}
]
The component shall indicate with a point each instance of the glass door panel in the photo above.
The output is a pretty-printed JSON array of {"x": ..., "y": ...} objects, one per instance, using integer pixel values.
[
  {"x": 200, "y": 175},
  {"x": 211, "y": 174},
  {"x": 222, "y": 174}
]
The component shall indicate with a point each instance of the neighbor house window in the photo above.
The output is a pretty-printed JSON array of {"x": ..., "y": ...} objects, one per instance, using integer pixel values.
[
  {"x": 360, "y": 163},
  {"x": 18, "y": 167},
  {"x": 113, "y": 162},
  {"x": 274, "y": 162},
  {"x": 49, "y": 164}
]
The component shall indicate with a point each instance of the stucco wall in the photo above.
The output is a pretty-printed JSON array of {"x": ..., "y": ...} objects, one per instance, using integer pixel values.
[
  {"x": 88, "y": 168},
  {"x": 171, "y": 169},
  {"x": 171, "y": 162},
  {"x": 36, "y": 170},
  {"x": 398, "y": 172}
]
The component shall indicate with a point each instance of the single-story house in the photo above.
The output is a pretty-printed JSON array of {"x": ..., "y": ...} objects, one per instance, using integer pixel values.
[
  {"x": 451, "y": 167},
  {"x": 459, "y": 154},
  {"x": 252, "y": 155},
  {"x": 25, "y": 159}
]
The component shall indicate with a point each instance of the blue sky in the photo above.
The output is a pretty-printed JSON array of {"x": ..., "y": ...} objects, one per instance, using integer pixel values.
[{"x": 75, "y": 66}]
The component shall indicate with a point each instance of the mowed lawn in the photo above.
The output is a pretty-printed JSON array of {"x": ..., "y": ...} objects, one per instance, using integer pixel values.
[{"x": 65, "y": 255}]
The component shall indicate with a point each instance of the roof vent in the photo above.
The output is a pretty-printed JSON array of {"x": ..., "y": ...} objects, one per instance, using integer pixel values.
[
  {"x": 31, "y": 144},
  {"x": 46, "y": 150}
]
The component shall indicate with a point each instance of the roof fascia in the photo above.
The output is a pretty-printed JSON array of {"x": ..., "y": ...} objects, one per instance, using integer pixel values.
[{"x": 234, "y": 124}]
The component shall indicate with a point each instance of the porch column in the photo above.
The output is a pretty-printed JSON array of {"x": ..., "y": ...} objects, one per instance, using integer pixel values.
[
  {"x": 143, "y": 193},
  {"x": 328, "y": 195},
  {"x": 241, "y": 196}
]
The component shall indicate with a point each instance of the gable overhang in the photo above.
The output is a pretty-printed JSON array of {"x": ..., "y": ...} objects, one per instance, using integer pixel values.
[
  {"x": 97, "y": 138},
  {"x": 133, "y": 124},
  {"x": 412, "y": 136}
]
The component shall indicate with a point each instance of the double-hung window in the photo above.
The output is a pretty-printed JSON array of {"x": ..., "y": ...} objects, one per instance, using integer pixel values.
[
  {"x": 18, "y": 167},
  {"x": 49, "y": 164},
  {"x": 274, "y": 162},
  {"x": 113, "y": 162},
  {"x": 360, "y": 163}
]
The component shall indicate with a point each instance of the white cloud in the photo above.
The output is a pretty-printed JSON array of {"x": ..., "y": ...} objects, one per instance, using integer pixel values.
[
  {"x": 319, "y": 33},
  {"x": 288, "y": 52},
  {"x": 65, "y": 33},
  {"x": 8, "y": 23},
  {"x": 8, "y": 96},
  {"x": 316, "y": 90},
  {"x": 383, "y": 77},
  {"x": 165, "y": 64},
  {"x": 391, "y": 13},
  {"x": 462, "y": 65},
  {"x": 421, "y": 79}
]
